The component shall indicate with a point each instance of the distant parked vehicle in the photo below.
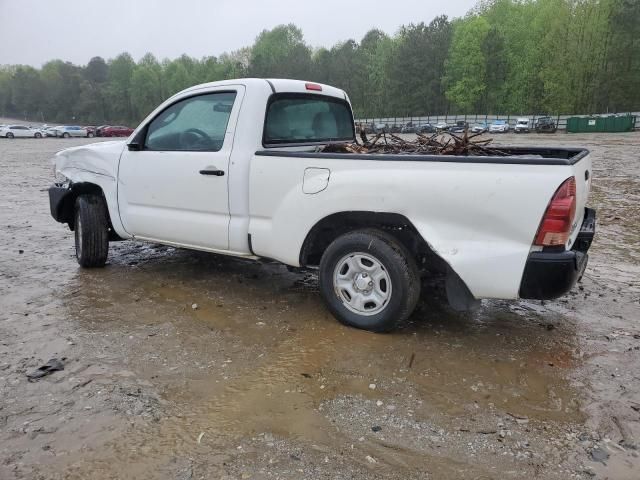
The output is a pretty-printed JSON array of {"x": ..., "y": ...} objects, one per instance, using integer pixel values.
[
  {"x": 426, "y": 128},
  {"x": 380, "y": 127},
  {"x": 546, "y": 125},
  {"x": 368, "y": 128},
  {"x": 19, "y": 131},
  {"x": 67, "y": 131},
  {"x": 459, "y": 127},
  {"x": 408, "y": 127},
  {"x": 36, "y": 132},
  {"x": 522, "y": 125},
  {"x": 98, "y": 130},
  {"x": 49, "y": 131},
  {"x": 442, "y": 127},
  {"x": 90, "y": 129},
  {"x": 499, "y": 126},
  {"x": 118, "y": 131},
  {"x": 479, "y": 128}
]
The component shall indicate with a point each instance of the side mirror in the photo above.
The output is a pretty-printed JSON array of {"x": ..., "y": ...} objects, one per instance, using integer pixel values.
[{"x": 136, "y": 144}]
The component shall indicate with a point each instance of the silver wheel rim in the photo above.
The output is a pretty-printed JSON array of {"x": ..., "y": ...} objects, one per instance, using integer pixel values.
[
  {"x": 79, "y": 237},
  {"x": 362, "y": 283}
]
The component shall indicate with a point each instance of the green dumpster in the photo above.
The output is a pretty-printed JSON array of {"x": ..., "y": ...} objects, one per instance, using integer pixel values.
[{"x": 612, "y": 123}]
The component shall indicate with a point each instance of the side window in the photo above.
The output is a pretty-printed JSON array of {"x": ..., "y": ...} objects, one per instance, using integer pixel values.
[
  {"x": 304, "y": 118},
  {"x": 194, "y": 124}
]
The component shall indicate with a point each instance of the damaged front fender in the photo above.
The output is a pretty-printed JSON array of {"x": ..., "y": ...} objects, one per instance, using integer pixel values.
[{"x": 87, "y": 169}]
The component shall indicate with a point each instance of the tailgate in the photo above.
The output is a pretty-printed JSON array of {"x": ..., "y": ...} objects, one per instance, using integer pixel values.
[{"x": 582, "y": 172}]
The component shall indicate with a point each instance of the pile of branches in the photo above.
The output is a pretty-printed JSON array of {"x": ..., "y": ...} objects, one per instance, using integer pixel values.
[{"x": 445, "y": 143}]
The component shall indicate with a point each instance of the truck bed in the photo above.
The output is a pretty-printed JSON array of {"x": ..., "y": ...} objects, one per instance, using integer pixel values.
[{"x": 515, "y": 155}]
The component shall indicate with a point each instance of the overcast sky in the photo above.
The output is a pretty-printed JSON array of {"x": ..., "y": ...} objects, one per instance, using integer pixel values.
[{"x": 35, "y": 31}]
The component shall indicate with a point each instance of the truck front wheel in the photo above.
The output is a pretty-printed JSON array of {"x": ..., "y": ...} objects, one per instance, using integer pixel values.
[
  {"x": 369, "y": 280},
  {"x": 91, "y": 231}
]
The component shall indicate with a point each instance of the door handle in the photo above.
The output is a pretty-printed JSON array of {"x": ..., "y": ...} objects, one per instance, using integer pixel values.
[{"x": 216, "y": 173}]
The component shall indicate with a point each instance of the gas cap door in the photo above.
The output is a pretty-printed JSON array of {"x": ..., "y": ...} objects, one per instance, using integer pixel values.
[{"x": 315, "y": 180}]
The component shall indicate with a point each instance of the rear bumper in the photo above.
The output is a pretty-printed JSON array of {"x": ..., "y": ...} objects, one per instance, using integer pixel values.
[{"x": 550, "y": 274}]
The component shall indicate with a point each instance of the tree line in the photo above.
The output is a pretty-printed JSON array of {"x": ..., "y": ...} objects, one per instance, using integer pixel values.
[{"x": 504, "y": 56}]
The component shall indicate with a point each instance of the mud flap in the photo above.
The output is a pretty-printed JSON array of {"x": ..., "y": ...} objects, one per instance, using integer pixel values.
[
  {"x": 458, "y": 294},
  {"x": 57, "y": 197}
]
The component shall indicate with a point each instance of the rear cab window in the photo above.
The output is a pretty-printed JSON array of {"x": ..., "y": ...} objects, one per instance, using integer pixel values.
[{"x": 298, "y": 119}]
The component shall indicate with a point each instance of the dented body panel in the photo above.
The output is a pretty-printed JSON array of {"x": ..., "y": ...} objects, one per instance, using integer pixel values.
[{"x": 95, "y": 164}]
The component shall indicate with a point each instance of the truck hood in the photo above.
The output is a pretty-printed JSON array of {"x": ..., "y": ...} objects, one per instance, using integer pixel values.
[{"x": 99, "y": 158}]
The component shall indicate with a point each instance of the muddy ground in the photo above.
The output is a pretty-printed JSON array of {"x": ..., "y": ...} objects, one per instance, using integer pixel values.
[{"x": 260, "y": 382}]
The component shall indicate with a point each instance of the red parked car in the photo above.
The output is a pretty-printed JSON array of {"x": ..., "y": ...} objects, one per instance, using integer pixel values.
[{"x": 118, "y": 131}]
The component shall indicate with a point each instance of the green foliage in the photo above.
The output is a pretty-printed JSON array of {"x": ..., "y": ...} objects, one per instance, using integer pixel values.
[
  {"x": 504, "y": 56},
  {"x": 416, "y": 67},
  {"x": 280, "y": 52},
  {"x": 466, "y": 66}
]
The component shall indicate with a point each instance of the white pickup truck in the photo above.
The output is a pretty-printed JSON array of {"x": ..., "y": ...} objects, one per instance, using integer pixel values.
[{"x": 235, "y": 168}]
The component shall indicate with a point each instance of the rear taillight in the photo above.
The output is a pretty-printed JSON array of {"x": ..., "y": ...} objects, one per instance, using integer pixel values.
[{"x": 555, "y": 227}]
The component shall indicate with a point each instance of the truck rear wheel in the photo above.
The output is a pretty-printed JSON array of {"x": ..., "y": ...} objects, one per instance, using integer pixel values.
[
  {"x": 369, "y": 280},
  {"x": 91, "y": 231}
]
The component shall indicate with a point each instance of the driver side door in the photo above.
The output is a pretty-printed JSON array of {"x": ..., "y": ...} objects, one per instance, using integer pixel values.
[{"x": 173, "y": 183}]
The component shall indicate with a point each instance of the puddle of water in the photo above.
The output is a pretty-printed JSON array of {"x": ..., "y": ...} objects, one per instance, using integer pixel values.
[{"x": 276, "y": 354}]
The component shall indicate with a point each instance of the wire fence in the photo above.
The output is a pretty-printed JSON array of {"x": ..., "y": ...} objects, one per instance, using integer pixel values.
[{"x": 560, "y": 120}]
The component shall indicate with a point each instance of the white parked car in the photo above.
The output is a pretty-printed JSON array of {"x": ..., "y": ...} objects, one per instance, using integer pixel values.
[
  {"x": 479, "y": 128},
  {"x": 522, "y": 125},
  {"x": 19, "y": 131},
  {"x": 499, "y": 126},
  {"x": 236, "y": 168},
  {"x": 49, "y": 131},
  {"x": 67, "y": 131}
]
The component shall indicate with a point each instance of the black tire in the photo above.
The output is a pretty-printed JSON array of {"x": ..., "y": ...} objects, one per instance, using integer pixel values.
[
  {"x": 89, "y": 135},
  {"x": 9, "y": 135},
  {"x": 91, "y": 231},
  {"x": 65, "y": 135},
  {"x": 399, "y": 266},
  {"x": 38, "y": 135}
]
